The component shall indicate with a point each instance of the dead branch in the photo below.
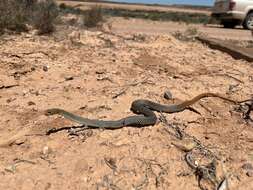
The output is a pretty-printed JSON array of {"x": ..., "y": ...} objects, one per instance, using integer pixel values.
[
  {"x": 8, "y": 86},
  {"x": 127, "y": 86},
  {"x": 119, "y": 94},
  {"x": 111, "y": 163},
  {"x": 54, "y": 130},
  {"x": 229, "y": 76},
  {"x": 206, "y": 172}
]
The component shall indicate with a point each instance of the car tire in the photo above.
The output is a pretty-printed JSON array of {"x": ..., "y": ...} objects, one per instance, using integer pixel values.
[
  {"x": 248, "y": 22},
  {"x": 228, "y": 24}
]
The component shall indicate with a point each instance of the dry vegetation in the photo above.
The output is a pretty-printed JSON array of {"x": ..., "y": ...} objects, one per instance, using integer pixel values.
[
  {"x": 93, "y": 17},
  {"x": 44, "y": 16},
  {"x": 18, "y": 15},
  {"x": 13, "y": 15},
  {"x": 188, "y": 35}
]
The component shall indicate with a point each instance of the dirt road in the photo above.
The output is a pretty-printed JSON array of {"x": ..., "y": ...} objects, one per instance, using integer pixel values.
[{"x": 121, "y": 25}]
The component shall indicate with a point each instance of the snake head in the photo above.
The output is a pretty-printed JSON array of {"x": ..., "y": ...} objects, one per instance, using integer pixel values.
[{"x": 52, "y": 111}]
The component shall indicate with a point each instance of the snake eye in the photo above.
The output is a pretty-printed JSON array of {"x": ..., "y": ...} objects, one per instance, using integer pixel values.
[{"x": 48, "y": 112}]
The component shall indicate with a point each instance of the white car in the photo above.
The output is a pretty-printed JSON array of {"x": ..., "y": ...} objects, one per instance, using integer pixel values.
[{"x": 234, "y": 12}]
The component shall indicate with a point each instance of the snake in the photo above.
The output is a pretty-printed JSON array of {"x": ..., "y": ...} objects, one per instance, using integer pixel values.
[{"x": 144, "y": 110}]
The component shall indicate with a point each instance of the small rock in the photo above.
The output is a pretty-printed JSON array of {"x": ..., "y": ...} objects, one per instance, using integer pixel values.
[
  {"x": 185, "y": 144},
  {"x": 247, "y": 166},
  {"x": 99, "y": 72},
  {"x": 30, "y": 103},
  {"x": 249, "y": 173},
  {"x": 10, "y": 100},
  {"x": 11, "y": 168},
  {"x": 20, "y": 141},
  {"x": 83, "y": 107},
  {"x": 69, "y": 78},
  {"x": 85, "y": 179},
  {"x": 167, "y": 95},
  {"x": 24, "y": 92},
  {"x": 46, "y": 150},
  {"x": 45, "y": 68},
  {"x": 37, "y": 93}
]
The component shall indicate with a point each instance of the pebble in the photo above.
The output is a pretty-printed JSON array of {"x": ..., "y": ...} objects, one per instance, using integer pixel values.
[
  {"x": 31, "y": 103},
  {"x": 249, "y": 173},
  {"x": 247, "y": 166},
  {"x": 45, "y": 150},
  {"x": 11, "y": 168},
  {"x": 20, "y": 141},
  {"x": 185, "y": 144},
  {"x": 167, "y": 95},
  {"x": 45, "y": 68},
  {"x": 69, "y": 78}
]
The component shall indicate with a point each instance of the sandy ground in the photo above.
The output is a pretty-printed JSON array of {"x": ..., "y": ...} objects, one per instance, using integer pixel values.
[{"x": 83, "y": 76}]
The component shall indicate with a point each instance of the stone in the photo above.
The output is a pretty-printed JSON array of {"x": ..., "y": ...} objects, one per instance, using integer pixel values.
[
  {"x": 45, "y": 68},
  {"x": 249, "y": 173},
  {"x": 247, "y": 166},
  {"x": 167, "y": 95}
]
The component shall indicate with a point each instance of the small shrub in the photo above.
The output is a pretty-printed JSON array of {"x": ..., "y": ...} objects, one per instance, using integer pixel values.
[
  {"x": 45, "y": 15},
  {"x": 63, "y": 6},
  {"x": 188, "y": 35},
  {"x": 13, "y": 15},
  {"x": 191, "y": 31},
  {"x": 93, "y": 17}
]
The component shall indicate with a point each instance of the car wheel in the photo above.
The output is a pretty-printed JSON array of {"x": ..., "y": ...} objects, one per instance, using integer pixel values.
[
  {"x": 248, "y": 23},
  {"x": 228, "y": 24}
]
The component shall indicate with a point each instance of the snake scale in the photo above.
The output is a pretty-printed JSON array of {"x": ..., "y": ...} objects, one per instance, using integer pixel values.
[{"x": 144, "y": 110}]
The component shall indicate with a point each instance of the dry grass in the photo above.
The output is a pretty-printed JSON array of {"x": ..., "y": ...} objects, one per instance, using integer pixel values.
[
  {"x": 188, "y": 35},
  {"x": 93, "y": 17},
  {"x": 45, "y": 16},
  {"x": 13, "y": 16},
  {"x": 17, "y": 15}
]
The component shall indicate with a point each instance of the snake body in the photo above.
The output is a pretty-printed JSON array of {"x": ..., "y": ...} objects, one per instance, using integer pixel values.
[{"x": 144, "y": 108}]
